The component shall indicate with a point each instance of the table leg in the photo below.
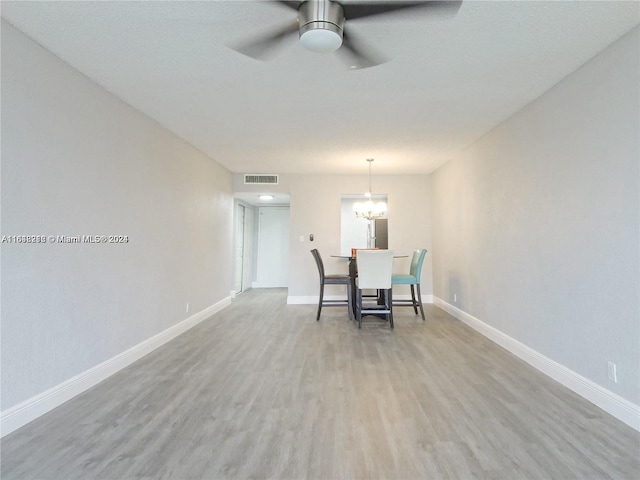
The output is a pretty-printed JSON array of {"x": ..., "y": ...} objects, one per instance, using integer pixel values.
[{"x": 353, "y": 273}]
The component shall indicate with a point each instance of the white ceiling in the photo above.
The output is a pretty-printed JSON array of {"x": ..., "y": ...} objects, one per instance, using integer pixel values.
[
  {"x": 253, "y": 198},
  {"x": 449, "y": 81}
]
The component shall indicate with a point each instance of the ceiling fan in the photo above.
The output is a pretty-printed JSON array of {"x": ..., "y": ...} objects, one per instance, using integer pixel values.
[{"x": 321, "y": 27}]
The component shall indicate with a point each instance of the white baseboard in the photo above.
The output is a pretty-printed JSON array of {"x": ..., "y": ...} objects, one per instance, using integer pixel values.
[
  {"x": 313, "y": 299},
  {"x": 608, "y": 401},
  {"x": 27, "y": 411},
  {"x": 309, "y": 299},
  {"x": 425, "y": 298}
]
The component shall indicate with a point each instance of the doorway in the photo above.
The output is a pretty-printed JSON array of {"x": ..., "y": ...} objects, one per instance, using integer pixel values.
[{"x": 243, "y": 254}]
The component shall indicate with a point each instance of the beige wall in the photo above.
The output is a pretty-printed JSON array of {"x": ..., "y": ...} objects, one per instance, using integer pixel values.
[
  {"x": 78, "y": 161},
  {"x": 536, "y": 225}
]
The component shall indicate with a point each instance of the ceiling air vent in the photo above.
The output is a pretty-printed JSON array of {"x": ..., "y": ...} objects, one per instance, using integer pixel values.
[{"x": 258, "y": 179}]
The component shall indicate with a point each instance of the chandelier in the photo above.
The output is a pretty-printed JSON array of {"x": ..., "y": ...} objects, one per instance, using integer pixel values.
[{"x": 370, "y": 210}]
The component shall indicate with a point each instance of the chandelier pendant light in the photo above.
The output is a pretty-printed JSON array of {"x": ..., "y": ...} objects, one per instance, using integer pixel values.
[{"x": 370, "y": 210}]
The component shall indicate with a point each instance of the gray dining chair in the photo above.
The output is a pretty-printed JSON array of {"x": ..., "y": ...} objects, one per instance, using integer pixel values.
[
  {"x": 334, "y": 279},
  {"x": 374, "y": 272}
]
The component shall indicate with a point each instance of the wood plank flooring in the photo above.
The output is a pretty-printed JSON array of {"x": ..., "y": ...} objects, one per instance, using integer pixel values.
[{"x": 262, "y": 390}]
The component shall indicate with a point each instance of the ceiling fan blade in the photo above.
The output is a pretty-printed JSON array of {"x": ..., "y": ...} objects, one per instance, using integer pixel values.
[
  {"x": 291, "y": 4},
  {"x": 360, "y": 10},
  {"x": 263, "y": 46},
  {"x": 356, "y": 56}
]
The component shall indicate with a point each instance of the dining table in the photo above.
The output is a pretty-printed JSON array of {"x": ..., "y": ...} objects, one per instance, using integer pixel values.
[{"x": 353, "y": 274}]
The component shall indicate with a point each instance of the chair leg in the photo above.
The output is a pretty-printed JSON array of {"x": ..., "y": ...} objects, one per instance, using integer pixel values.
[
  {"x": 320, "y": 302},
  {"x": 389, "y": 306},
  {"x": 413, "y": 300},
  {"x": 359, "y": 307},
  {"x": 350, "y": 301},
  {"x": 420, "y": 301}
]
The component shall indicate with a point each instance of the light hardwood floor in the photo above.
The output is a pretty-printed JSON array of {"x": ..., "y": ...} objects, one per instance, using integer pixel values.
[{"x": 262, "y": 390}]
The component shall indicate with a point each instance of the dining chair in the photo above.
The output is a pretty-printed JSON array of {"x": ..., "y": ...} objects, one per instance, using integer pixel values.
[
  {"x": 337, "y": 279},
  {"x": 413, "y": 280},
  {"x": 374, "y": 272}
]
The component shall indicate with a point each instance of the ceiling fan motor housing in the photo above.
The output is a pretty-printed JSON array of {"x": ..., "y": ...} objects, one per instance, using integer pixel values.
[{"x": 321, "y": 25}]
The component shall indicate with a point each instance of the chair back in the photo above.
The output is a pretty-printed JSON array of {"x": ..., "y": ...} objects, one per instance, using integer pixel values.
[
  {"x": 374, "y": 269},
  {"x": 416, "y": 263},
  {"x": 318, "y": 259}
]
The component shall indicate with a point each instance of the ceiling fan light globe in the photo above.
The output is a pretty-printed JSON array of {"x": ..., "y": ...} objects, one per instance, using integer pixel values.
[{"x": 321, "y": 40}]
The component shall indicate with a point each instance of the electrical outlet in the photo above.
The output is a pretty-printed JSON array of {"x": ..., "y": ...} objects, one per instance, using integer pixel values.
[
  {"x": 301, "y": 238},
  {"x": 188, "y": 307},
  {"x": 455, "y": 298},
  {"x": 613, "y": 375}
]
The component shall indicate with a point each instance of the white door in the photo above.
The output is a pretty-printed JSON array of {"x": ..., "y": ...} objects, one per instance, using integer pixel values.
[
  {"x": 239, "y": 249},
  {"x": 273, "y": 247}
]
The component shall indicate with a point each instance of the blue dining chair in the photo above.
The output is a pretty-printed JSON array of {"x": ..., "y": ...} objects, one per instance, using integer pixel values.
[{"x": 413, "y": 279}]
